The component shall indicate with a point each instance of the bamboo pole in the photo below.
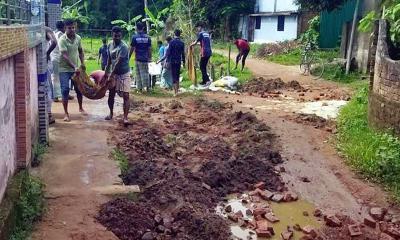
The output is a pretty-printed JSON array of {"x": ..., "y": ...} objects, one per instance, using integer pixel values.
[{"x": 353, "y": 30}]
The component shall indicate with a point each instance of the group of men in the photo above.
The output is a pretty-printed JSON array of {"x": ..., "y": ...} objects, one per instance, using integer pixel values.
[{"x": 66, "y": 58}]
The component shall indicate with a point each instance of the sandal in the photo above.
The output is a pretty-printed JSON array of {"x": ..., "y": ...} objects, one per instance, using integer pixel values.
[
  {"x": 66, "y": 119},
  {"x": 108, "y": 118}
]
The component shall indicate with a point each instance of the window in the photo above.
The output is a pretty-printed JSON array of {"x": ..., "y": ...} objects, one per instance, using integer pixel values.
[
  {"x": 258, "y": 22},
  {"x": 281, "y": 23}
]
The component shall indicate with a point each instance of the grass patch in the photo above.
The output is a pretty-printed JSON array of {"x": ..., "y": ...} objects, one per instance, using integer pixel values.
[
  {"x": 38, "y": 151},
  {"x": 337, "y": 74},
  {"x": 29, "y": 208},
  {"x": 374, "y": 154},
  {"x": 120, "y": 157},
  {"x": 294, "y": 57}
]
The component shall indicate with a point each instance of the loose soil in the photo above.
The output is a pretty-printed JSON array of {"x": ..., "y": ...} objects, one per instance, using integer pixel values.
[{"x": 185, "y": 172}]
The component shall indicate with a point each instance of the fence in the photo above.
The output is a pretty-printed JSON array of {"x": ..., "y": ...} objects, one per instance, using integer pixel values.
[{"x": 15, "y": 11}]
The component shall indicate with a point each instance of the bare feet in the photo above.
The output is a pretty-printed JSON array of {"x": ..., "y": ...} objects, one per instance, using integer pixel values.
[
  {"x": 126, "y": 122},
  {"x": 66, "y": 118}
]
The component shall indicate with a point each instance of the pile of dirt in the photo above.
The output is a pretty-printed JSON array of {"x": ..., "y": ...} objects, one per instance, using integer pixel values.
[
  {"x": 185, "y": 174},
  {"x": 272, "y": 49},
  {"x": 262, "y": 86},
  {"x": 315, "y": 121}
]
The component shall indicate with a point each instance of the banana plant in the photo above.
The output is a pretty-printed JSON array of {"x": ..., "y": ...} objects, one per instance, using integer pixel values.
[
  {"x": 74, "y": 13},
  {"x": 156, "y": 22},
  {"x": 129, "y": 26}
]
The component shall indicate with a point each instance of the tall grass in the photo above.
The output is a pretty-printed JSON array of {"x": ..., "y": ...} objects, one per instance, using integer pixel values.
[{"x": 375, "y": 154}]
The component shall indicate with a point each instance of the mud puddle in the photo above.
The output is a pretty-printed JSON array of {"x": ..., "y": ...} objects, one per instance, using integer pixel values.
[{"x": 289, "y": 214}]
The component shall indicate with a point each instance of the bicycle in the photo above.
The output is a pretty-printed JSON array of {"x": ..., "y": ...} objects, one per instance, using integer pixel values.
[{"x": 311, "y": 64}]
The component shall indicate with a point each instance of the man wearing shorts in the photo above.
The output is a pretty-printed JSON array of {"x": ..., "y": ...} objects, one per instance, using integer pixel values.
[
  {"x": 244, "y": 49},
  {"x": 174, "y": 56},
  {"x": 118, "y": 70},
  {"x": 141, "y": 45},
  {"x": 71, "y": 54}
]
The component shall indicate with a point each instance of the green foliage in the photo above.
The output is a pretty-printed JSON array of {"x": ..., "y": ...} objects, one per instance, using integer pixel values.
[
  {"x": 311, "y": 36},
  {"x": 75, "y": 14},
  {"x": 293, "y": 57},
  {"x": 320, "y": 5},
  {"x": 129, "y": 26},
  {"x": 337, "y": 73},
  {"x": 122, "y": 160},
  {"x": 38, "y": 151},
  {"x": 29, "y": 207},
  {"x": 375, "y": 154},
  {"x": 391, "y": 13},
  {"x": 156, "y": 22}
]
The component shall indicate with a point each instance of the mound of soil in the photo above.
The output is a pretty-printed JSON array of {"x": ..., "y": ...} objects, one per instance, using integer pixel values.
[
  {"x": 263, "y": 86},
  {"x": 186, "y": 166},
  {"x": 315, "y": 121}
]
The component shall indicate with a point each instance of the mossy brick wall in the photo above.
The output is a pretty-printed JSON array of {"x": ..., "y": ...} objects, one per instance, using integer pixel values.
[
  {"x": 13, "y": 39},
  {"x": 384, "y": 99}
]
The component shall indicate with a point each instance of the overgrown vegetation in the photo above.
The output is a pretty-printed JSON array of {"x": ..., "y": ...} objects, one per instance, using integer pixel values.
[
  {"x": 337, "y": 73},
  {"x": 391, "y": 12},
  {"x": 122, "y": 160},
  {"x": 38, "y": 151},
  {"x": 374, "y": 154},
  {"x": 29, "y": 208},
  {"x": 311, "y": 36}
]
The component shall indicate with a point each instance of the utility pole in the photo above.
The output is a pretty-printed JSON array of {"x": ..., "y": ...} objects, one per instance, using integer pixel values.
[
  {"x": 353, "y": 31},
  {"x": 147, "y": 21}
]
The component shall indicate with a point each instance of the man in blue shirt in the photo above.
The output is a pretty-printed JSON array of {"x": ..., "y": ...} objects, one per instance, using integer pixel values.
[
  {"x": 141, "y": 45},
  {"x": 204, "y": 39},
  {"x": 174, "y": 56},
  {"x": 118, "y": 68},
  {"x": 103, "y": 55}
]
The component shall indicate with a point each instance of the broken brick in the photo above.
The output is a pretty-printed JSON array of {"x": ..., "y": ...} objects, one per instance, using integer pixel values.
[
  {"x": 271, "y": 218},
  {"x": 332, "y": 221},
  {"x": 287, "y": 235},
  {"x": 263, "y": 225},
  {"x": 277, "y": 198},
  {"x": 377, "y": 213},
  {"x": 259, "y": 212},
  {"x": 260, "y": 185},
  {"x": 265, "y": 195},
  {"x": 263, "y": 233},
  {"x": 310, "y": 230},
  {"x": 368, "y": 221},
  {"x": 290, "y": 196},
  {"x": 228, "y": 209},
  {"x": 385, "y": 236},
  {"x": 317, "y": 213},
  {"x": 249, "y": 212},
  {"x": 306, "y": 214},
  {"x": 233, "y": 217},
  {"x": 354, "y": 230}
]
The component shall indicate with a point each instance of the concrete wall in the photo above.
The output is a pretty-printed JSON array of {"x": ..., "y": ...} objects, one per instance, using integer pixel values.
[
  {"x": 276, "y": 5},
  {"x": 286, "y": 6},
  {"x": 33, "y": 96},
  {"x": 384, "y": 100},
  {"x": 269, "y": 33},
  {"x": 8, "y": 148}
]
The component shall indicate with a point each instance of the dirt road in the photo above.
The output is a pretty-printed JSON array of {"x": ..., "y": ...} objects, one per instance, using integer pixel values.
[{"x": 76, "y": 163}]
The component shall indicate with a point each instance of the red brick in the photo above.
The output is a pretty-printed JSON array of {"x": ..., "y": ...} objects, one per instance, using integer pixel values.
[
  {"x": 354, "y": 230},
  {"x": 368, "y": 221}
]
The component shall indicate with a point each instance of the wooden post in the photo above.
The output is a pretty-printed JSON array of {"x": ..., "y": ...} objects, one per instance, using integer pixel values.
[
  {"x": 147, "y": 21},
  {"x": 229, "y": 60},
  {"x": 353, "y": 31}
]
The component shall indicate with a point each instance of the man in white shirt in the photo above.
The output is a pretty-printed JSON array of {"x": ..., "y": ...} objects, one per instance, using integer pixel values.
[{"x": 55, "y": 60}]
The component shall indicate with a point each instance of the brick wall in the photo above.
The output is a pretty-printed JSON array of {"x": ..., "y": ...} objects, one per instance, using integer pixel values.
[
  {"x": 384, "y": 100},
  {"x": 13, "y": 40}
]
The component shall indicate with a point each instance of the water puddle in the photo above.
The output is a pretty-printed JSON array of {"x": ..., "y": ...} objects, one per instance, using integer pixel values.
[{"x": 289, "y": 214}]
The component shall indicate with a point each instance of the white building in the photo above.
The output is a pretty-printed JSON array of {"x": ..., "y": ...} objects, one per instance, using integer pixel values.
[{"x": 273, "y": 21}]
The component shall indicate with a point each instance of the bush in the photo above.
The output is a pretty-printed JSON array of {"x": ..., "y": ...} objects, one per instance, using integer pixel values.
[
  {"x": 29, "y": 208},
  {"x": 272, "y": 49}
]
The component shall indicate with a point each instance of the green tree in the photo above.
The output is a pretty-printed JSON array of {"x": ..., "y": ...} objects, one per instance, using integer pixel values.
[
  {"x": 320, "y": 5},
  {"x": 129, "y": 26}
]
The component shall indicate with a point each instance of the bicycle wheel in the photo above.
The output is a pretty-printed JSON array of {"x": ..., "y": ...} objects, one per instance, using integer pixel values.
[
  {"x": 317, "y": 68},
  {"x": 305, "y": 65}
]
